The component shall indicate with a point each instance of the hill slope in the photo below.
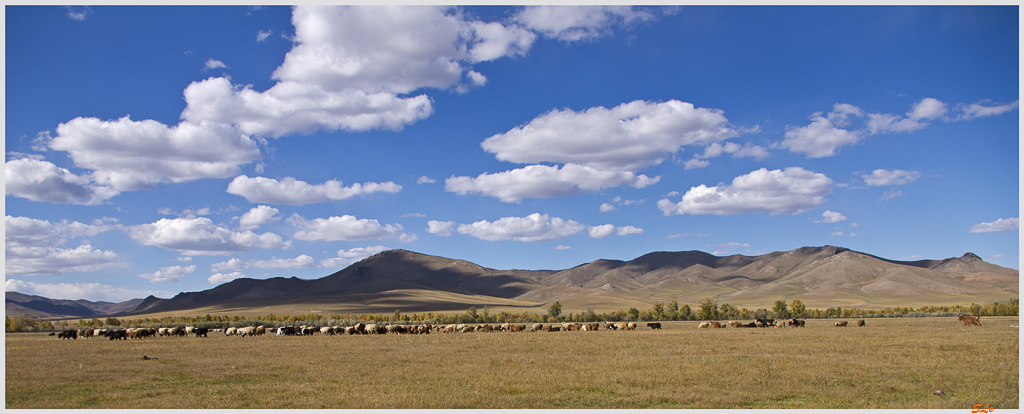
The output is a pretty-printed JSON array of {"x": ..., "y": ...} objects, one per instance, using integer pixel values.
[{"x": 412, "y": 282}]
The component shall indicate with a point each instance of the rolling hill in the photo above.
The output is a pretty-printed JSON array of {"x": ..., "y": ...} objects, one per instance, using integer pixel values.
[{"x": 821, "y": 277}]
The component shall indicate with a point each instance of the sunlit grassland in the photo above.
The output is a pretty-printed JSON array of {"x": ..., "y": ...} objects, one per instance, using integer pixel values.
[{"x": 890, "y": 363}]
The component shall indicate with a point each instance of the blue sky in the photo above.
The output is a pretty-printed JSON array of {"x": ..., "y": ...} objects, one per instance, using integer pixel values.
[{"x": 155, "y": 150}]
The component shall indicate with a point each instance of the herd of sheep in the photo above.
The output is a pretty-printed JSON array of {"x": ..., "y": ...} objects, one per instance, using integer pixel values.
[
  {"x": 426, "y": 328},
  {"x": 357, "y": 329}
]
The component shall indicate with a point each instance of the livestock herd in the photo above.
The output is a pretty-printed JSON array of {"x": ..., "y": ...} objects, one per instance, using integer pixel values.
[{"x": 425, "y": 328}]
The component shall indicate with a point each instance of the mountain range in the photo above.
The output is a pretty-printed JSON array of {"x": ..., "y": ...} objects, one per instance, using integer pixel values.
[{"x": 820, "y": 277}]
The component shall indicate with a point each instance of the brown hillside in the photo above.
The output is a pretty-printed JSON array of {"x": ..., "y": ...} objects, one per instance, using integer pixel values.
[{"x": 821, "y": 277}]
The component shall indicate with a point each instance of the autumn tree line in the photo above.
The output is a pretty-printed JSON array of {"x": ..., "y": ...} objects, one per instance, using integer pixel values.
[{"x": 707, "y": 309}]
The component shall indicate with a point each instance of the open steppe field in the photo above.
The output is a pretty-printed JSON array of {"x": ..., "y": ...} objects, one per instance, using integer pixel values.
[{"x": 889, "y": 363}]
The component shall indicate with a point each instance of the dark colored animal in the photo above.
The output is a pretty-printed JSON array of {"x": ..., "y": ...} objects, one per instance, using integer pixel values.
[
  {"x": 201, "y": 332},
  {"x": 860, "y": 322},
  {"x": 121, "y": 334},
  {"x": 68, "y": 334},
  {"x": 969, "y": 320},
  {"x": 797, "y": 323},
  {"x": 654, "y": 325}
]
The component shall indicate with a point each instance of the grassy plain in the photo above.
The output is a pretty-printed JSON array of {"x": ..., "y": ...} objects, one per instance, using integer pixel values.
[{"x": 890, "y": 363}]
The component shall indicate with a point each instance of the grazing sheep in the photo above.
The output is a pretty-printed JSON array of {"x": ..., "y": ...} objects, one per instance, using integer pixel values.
[
  {"x": 655, "y": 325},
  {"x": 536, "y": 327},
  {"x": 797, "y": 323},
  {"x": 234, "y": 331},
  {"x": 554, "y": 328},
  {"x": 621, "y": 326},
  {"x": 860, "y": 322},
  {"x": 468, "y": 328},
  {"x": 716, "y": 324},
  {"x": 703, "y": 325},
  {"x": 780, "y": 323},
  {"x": 969, "y": 320},
  {"x": 68, "y": 334},
  {"x": 631, "y": 326},
  {"x": 841, "y": 323}
]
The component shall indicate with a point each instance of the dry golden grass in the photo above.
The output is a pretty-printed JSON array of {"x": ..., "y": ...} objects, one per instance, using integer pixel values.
[{"x": 890, "y": 363}]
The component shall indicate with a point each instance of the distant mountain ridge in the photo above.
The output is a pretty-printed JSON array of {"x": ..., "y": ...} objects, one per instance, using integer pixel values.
[{"x": 399, "y": 279}]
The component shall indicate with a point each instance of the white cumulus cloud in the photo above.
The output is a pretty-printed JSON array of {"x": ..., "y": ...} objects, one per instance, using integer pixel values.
[
  {"x": 215, "y": 64},
  {"x": 42, "y": 181},
  {"x": 37, "y": 248},
  {"x": 606, "y": 230},
  {"x": 628, "y": 137},
  {"x": 542, "y": 181},
  {"x": 353, "y": 68},
  {"x": 790, "y": 191},
  {"x": 830, "y": 216},
  {"x": 234, "y": 264},
  {"x": 533, "y": 228},
  {"x": 346, "y": 227},
  {"x": 574, "y": 23},
  {"x": 881, "y": 177},
  {"x": 127, "y": 155},
  {"x": 221, "y": 278},
  {"x": 201, "y": 237},
  {"x": 441, "y": 228},
  {"x": 169, "y": 274},
  {"x": 823, "y": 136},
  {"x": 296, "y": 193},
  {"x": 998, "y": 226},
  {"x": 258, "y": 216}
]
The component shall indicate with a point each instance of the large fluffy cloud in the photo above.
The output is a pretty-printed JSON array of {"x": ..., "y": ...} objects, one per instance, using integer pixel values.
[
  {"x": 353, "y": 68},
  {"x": 346, "y": 227},
  {"x": 87, "y": 291},
  {"x": 628, "y": 137},
  {"x": 128, "y": 155},
  {"x": 36, "y": 247},
  {"x": 541, "y": 181},
  {"x": 789, "y": 191},
  {"x": 200, "y": 236},
  {"x": 599, "y": 147},
  {"x": 533, "y": 228},
  {"x": 39, "y": 180},
  {"x": 294, "y": 192}
]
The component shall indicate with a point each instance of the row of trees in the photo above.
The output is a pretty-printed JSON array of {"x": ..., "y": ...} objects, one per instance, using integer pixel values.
[{"x": 707, "y": 309}]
